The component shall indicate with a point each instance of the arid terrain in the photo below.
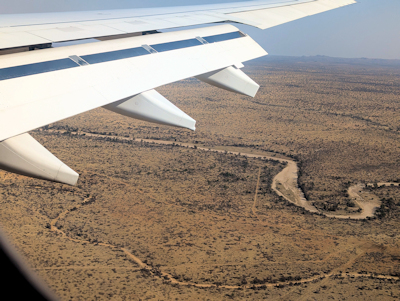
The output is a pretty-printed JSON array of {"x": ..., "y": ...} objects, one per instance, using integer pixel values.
[{"x": 292, "y": 195}]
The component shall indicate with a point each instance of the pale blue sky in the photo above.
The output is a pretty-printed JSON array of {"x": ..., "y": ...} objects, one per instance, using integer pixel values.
[{"x": 370, "y": 28}]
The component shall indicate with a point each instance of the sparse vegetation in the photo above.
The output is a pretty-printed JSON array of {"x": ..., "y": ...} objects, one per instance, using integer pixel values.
[{"x": 188, "y": 212}]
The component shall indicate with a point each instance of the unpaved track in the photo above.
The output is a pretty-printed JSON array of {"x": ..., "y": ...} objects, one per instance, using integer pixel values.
[
  {"x": 381, "y": 184},
  {"x": 287, "y": 178},
  {"x": 284, "y": 183},
  {"x": 170, "y": 279},
  {"x": 254, "y": 208}
]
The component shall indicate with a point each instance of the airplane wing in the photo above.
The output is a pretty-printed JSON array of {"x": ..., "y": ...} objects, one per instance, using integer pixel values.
[{"x": 47, "y": 85}]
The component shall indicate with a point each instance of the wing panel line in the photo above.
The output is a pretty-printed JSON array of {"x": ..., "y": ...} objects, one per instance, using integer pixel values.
[{"x": 61, "y": 64}]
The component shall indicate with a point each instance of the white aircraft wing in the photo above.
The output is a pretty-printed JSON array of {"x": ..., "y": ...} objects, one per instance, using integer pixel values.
[
  {"x": 44, "y": 86},
  {"x": 41, "y": 87}
]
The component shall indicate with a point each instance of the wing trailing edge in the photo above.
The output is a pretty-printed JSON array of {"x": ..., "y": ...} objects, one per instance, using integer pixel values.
[
  {"x": 46, "y": 28},
  {"x": 264, "y": 18}
]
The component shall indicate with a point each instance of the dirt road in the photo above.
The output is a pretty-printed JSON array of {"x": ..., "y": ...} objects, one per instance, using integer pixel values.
[
  {"x": 156, "y": 272},
  {"x": 284, "y": 183}
]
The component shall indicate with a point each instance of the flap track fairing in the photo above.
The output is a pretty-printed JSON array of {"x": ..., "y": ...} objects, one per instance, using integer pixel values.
[
  {"x": 24, "y": 155},
  {"x": 231, "y": 79},
  {"x": 153, "y": 107}
]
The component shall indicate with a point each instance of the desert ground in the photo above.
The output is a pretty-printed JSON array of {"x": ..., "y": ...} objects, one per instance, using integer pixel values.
[{"x": 292, "y": 195}]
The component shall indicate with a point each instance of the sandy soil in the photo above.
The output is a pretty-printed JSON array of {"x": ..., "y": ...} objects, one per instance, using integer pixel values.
[{"x": 288, "y": 179}]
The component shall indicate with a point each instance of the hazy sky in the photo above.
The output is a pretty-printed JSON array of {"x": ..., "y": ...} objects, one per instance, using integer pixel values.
[{"x": 370, "y": 28}]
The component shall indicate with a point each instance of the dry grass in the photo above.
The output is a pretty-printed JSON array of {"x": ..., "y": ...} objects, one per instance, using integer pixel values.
[{"x": 189, "y": 212}]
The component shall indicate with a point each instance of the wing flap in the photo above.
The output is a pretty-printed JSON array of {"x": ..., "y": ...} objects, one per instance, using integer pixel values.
[
  {"x": 18, "y": 39},
  {"x": 33, "y": 29},
  {"x": 270, "y": 17},
  {"x": 68, "y": 32}
]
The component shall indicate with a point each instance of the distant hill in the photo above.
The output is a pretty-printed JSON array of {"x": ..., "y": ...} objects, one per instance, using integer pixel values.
[{"x": 331, "y": 60}]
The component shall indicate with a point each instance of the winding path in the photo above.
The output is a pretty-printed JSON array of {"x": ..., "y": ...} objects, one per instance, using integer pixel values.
[
  {"x": 284, "y": 184},
  {"x": 368, "y": 207}
]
